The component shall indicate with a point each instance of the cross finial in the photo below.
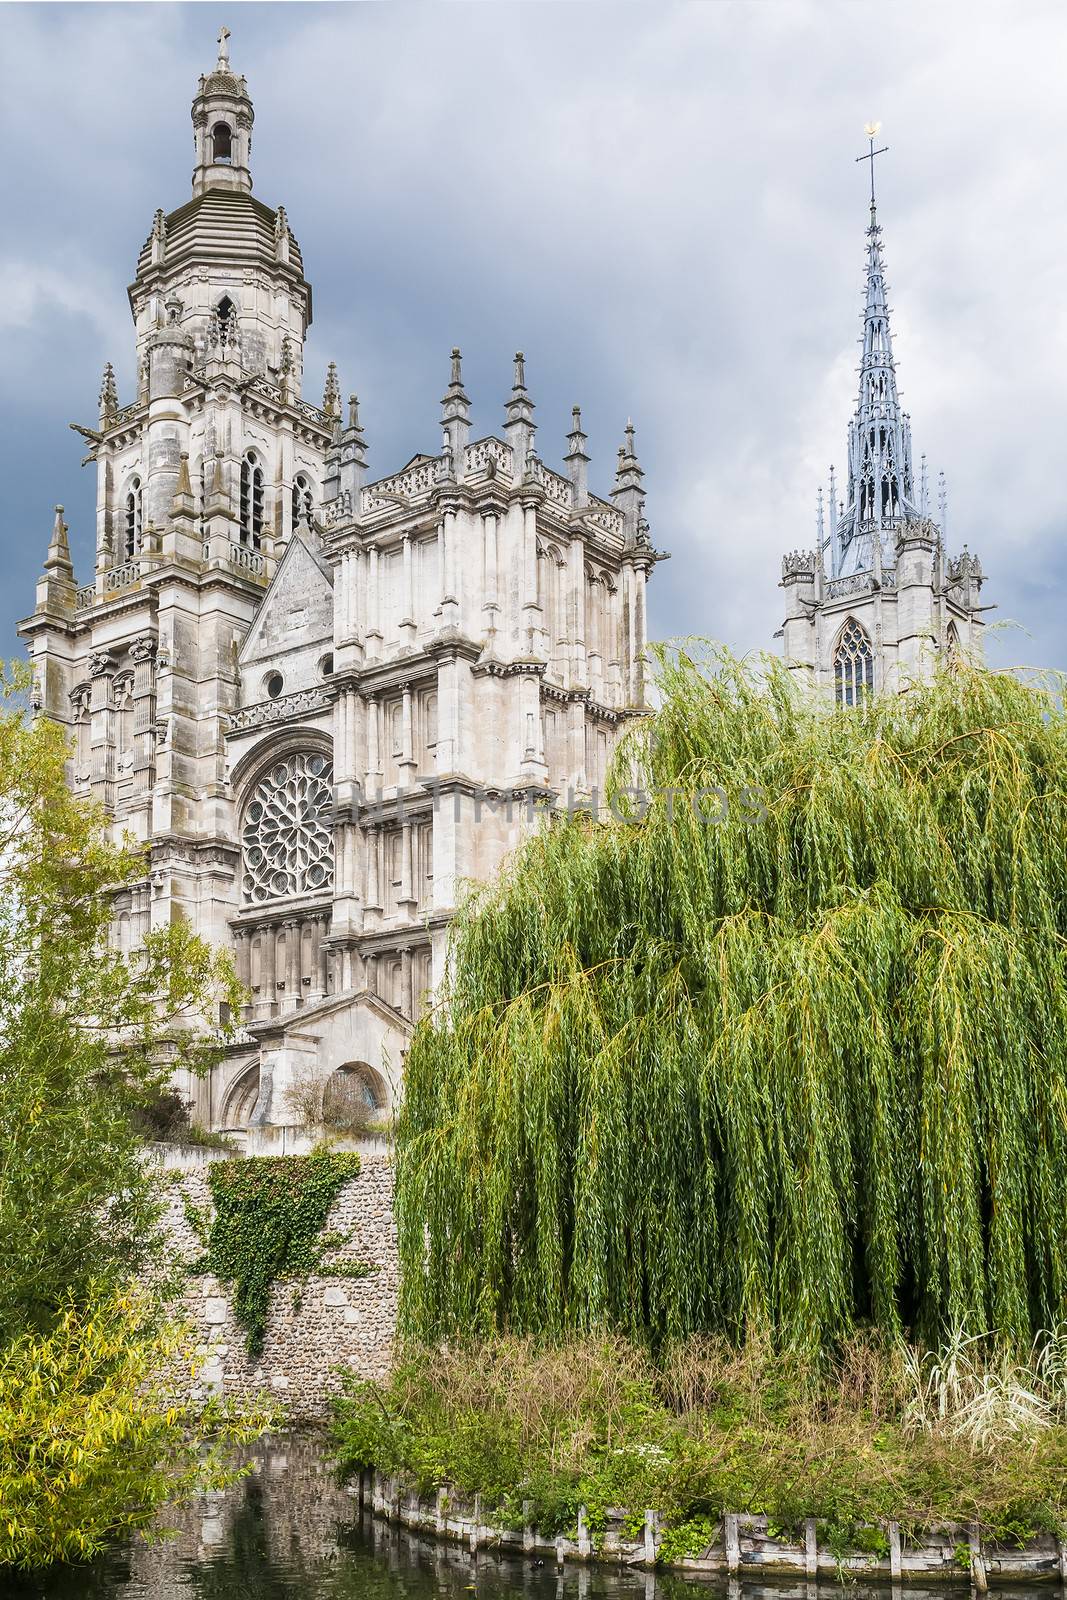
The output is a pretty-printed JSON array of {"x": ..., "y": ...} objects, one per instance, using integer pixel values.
[
  {"x": 224, "y": 47},
  {"x": 872, "y": 131}
]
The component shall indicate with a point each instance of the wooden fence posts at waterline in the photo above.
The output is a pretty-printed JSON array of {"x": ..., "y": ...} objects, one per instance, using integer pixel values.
[{"x": 741, "y": 1545}]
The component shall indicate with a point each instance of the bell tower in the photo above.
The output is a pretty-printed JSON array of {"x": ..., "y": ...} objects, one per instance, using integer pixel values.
[
  {"x": 202, "y": 473},
  {"x": 222, "y": 125}
]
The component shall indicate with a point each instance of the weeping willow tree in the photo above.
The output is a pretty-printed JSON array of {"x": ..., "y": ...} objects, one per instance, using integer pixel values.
[{"x": 788, "y": 1056}]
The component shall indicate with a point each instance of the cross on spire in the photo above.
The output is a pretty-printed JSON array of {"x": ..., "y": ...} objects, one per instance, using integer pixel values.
[
  {"x": 224, "y": 47},
  {"x": 872, "y": 130}
]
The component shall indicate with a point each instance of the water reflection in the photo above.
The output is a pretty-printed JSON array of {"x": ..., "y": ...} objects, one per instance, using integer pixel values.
[{"x": 289, "y": 1532}]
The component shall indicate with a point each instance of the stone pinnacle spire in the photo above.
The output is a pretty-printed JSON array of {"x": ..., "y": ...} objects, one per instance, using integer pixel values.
[
  {"x": 456, "y": 415},
  {"x": 331, "y": 394},
  {"x": 519, "y": 425},
  {"x": 628, "y": 493},
  {"x": 58, "y": 557},
  {"x": 353, "y": 459},
  {"x": 109, "y": 396},
  {"x": 880, "y": 493},
  {"x": 577, "y": 460}
]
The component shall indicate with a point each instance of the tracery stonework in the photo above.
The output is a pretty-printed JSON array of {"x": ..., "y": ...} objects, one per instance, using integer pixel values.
[{"x": 287, "y": 840}]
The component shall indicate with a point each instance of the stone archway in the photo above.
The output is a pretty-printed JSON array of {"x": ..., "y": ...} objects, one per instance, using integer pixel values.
[
  {"x": 240, "y": 1098},
  {"x": 354, "y": 1095}
]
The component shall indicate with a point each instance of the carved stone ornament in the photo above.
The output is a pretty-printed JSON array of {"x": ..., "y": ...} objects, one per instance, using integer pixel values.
[
  {"x": 287, "y": 839},
  {"x": 143, "y": 649},
  {"x": 100, "y": 663}
]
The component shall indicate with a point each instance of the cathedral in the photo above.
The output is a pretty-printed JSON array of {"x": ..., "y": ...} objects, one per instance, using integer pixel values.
[
  {"x": 878, "y": 600},
  {"x": 323, "y": 703},
  {"x": 326, "y": 703}
]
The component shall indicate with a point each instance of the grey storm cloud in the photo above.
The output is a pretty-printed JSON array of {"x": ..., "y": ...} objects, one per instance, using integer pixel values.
[{"x": 658, "y": 204}]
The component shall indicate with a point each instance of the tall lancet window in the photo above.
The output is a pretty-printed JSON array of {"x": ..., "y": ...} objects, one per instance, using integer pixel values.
[
  {"x": 251, "y": 501},
  {"x": 853, "y": 665},
  {"x": 132, "y": 540},
  {"x": 303, "y": 500}
]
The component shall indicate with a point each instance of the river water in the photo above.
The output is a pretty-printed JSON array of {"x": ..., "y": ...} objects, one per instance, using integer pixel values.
[{"x": 289, "y": 1532}]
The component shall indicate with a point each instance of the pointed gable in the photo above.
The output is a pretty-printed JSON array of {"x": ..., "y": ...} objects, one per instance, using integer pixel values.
[{"x": 294, "y": 623}]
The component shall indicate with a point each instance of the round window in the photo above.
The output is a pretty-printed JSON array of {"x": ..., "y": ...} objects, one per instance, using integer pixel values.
[
  {"x": 274, "y": 685},
  {"x": 287, "y": 838}
]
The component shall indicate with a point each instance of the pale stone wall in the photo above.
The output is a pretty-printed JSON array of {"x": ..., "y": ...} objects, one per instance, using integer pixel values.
[{"x": 314, "y": 1326}]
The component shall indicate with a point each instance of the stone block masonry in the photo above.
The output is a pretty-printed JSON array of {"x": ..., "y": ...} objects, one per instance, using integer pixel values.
[{"x": 314, "y": 1326}]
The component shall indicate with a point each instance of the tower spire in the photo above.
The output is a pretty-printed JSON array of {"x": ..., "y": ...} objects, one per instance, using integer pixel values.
[
  {"x": 222, "y": 122},
  {"x": 880, "y": 493}
]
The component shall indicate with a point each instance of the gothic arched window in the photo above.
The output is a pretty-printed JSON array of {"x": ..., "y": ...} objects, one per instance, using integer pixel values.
[
  {"x": 287, "y": 837},
  {"x": 222, "y": 143},
  {"x": 251, "y": 500},
  {"x": 303, "y": 500},
  {"x": 132, "y": 540},
  {"x": 853, "y": 665},
  {"x": 952, "y": 642},
  {"x": 226, "y": 314}
]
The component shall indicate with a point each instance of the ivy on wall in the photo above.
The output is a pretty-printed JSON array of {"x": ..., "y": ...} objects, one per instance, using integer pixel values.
[{"x": 269, "y": 1215}]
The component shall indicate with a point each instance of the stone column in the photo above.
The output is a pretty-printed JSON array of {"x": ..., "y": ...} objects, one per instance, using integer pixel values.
[
  {"x": 450, "y": 607},
  {"x": 407, "y": 609},
  {"x": 374, "y": 608},
  {"x": 490, "y": 578},
  {"x": 407, "y": 875},
  {"x": 408, "y": 764},
  {"x": 322, "y": 955},
  {"x": 576, "y": 608},
  {"x": 373, "y": 786},
  {"x": 292, "y": 965},
  {"x": 268, "y": 987},
  {"x": 374, "y": 881},
  {"x": 406, "y": 1005}
]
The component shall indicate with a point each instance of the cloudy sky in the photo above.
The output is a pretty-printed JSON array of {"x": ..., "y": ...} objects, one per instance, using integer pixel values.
[{"x": 658, "y": 203}]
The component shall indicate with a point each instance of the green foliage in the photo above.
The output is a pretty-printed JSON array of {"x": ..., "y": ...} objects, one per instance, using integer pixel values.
[
  {"x": 92, "y": 1445},
  {"x": 269, "y": 1212},
  {"x": 88, "y": 1036},
  {"x": 796, "y": 1072},
  {"x": 703, "y": 1430}
]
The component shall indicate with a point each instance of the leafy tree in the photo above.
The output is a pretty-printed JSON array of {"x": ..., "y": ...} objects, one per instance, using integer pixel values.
[
  {"x": 786, "y": 1053},
  {"x": 93, "y": 1442},
  {"x": 88, "y": 1036},
  {"x": 90, "y": 1443}
]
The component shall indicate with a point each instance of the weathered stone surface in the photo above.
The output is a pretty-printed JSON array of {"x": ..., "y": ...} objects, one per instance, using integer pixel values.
[{"x": 312, "y": 1328}]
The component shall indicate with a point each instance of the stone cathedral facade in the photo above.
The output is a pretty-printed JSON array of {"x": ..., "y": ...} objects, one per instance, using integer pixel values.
[
  {"x": 323, "y": 703},
  {"x": 879, "y": 599}
]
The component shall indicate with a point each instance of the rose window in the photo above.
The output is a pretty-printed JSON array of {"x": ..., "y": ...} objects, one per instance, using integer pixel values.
[{"x": 287, "y": 842}]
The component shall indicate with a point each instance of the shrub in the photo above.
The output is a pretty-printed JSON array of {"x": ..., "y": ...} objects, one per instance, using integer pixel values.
[
  {"x": 706, "y": 1428},
  {"x": 92, "y": 1443}
]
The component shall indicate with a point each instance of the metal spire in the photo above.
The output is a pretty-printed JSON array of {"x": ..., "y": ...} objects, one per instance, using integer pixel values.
[
  {"x": 880, "y": 491},
  {"x": 872, "y": 130}
]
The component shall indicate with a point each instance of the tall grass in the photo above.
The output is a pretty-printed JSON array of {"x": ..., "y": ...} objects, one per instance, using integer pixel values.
[
  {"x": 876, "y": 1432},
  {"x": 777, "y": 1077}
]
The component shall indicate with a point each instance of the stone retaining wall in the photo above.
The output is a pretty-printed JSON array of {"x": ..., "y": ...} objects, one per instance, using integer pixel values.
[
  {"x": 742, "y": 1546},
  {"x": 314, "y": 1326}
]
